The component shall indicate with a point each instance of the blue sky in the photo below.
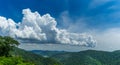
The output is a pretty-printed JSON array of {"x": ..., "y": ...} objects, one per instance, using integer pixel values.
[
  {"x": 98, "y": 13},
  {"x": 98, "y": 17}
]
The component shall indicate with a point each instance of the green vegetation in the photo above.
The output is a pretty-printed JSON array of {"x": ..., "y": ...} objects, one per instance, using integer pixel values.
[
  {"x": 13, "y": 61},
  {"x": 11, "y": 55},
  {"x": 89, "y": 57},
  {"x": 34, "y": 58},
  {"x": 6, "y": 45}
]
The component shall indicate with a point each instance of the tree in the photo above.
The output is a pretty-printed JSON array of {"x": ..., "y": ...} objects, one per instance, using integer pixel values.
[{"x": 6, "y": 45}]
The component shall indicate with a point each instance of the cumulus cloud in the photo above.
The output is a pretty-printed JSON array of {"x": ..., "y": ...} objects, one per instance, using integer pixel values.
[{"x": 35, "y": 27}]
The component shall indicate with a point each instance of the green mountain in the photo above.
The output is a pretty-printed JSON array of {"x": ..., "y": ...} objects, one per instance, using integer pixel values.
[
  {"x": 34, "y": 58},
  {"x": 88, "y": 57}
]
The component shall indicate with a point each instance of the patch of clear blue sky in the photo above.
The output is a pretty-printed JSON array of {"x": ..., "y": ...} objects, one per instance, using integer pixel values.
[{"x": 100, "y": 16}]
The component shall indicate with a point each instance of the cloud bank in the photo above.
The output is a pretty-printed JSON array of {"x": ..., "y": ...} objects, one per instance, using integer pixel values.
[{"x": 42, "y": 29}]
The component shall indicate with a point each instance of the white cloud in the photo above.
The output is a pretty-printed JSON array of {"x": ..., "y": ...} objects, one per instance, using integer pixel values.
[
  {"x": 42, "y": 29},
  {"x": 107, "y": 40}
]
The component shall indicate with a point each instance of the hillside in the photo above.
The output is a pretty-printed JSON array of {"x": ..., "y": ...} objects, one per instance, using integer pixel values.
[
  {"x": 34, "y": 58},
  {"x": 88, "y": 57},
  {"x": 11, "y": 55}
]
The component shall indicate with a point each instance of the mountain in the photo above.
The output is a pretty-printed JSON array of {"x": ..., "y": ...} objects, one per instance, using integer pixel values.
[
  {"x": 34, "y": 58},
  {"x": 46, "y": 53},
  {"x": 88, "y": 57}
]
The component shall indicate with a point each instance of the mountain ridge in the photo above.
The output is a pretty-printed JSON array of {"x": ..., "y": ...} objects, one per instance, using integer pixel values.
[{"x": 88, "y": 57}]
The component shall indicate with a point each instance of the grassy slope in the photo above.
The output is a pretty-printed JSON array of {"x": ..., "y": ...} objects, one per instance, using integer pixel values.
[{"x": 34, "y": 58}]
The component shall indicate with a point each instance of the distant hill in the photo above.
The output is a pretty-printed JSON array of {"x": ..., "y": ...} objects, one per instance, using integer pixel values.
[
  {"x": 46, "y": 52},
  {"x": 34, "y": 58},
  {"x": 88, "y": 57}
]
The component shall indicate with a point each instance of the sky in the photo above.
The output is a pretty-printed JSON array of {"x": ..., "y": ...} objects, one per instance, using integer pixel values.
[{"x": 64, "y": 25}]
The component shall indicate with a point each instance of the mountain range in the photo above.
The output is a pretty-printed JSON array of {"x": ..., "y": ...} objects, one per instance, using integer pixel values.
[{"x": 88, "y": 57}]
